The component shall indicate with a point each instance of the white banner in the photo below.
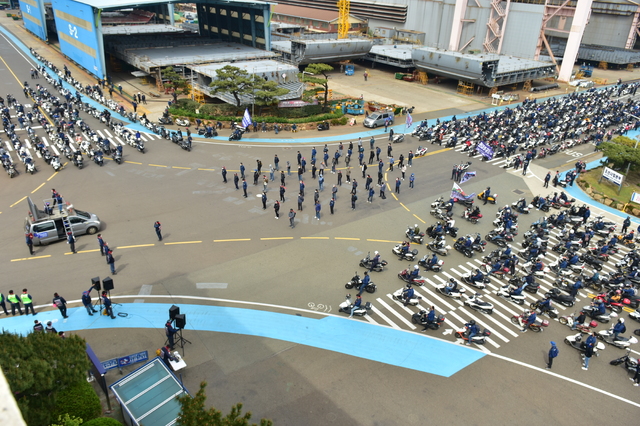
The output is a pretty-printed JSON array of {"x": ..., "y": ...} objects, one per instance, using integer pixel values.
[{"x": 613, "y": 176}]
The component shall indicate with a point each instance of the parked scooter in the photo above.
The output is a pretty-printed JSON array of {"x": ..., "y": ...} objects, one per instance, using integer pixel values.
[
  {"x": 475, "y": 302},
  {"x": 405, "y": 275},
  {"x": 346, "y": 307},
  {"x": 515, "y": 298},
  {"x": 414, "y": 301},
  {"x": 569, "y": 321},
  {"x": 357, "y": 282},
  {"x": 366, "y": 263},
  {"x": 454, "y": 294},
  {"x": 620, "y": 342},
  {"x": 408, "y": 255},
  {"x": 477, "y": 284},
  {"x": 417, "y": 318},
  {"x": 537, "y": 327},
  {"x": 478, "y": 339},
  {"x": 577, "y": 342}
]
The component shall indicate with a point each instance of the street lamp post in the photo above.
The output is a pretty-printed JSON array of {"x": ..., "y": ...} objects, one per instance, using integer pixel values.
[{"x": 637, "y": 141}]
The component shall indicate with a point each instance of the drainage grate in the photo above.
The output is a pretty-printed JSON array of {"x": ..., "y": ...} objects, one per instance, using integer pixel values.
[{"x": 518, "y": 192}]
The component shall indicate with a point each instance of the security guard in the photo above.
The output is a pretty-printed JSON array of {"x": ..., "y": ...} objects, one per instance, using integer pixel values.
[
  {"x": 27, "y": 301},
  {"x": 15, "y": 303}
]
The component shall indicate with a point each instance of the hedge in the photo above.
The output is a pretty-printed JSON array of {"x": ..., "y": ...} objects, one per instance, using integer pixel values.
[
  {"x": 211, "y": 112},
  {"x": 79, "y": 400}
]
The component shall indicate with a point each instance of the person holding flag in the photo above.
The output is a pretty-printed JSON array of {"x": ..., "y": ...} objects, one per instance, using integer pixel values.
[{"x": 409, "y": 120}]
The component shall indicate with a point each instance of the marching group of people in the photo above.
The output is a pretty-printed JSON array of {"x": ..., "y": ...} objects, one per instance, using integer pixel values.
[{"x": 318, "y": 167}]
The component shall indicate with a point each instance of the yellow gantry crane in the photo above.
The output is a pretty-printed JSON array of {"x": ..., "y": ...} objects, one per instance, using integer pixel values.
[{"x": 343, "y": 18}]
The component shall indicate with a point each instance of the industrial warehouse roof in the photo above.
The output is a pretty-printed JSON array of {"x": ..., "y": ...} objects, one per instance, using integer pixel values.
[{"x": 121, "y": 4}]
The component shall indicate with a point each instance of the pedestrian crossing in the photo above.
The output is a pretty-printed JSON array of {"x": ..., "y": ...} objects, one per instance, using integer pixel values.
[
  {"x": 389, "y": 312},
  {"x": 104, "y": 133}
]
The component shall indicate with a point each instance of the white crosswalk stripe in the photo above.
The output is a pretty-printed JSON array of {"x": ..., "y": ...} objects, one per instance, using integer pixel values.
[{"x": 394, "y": 314}]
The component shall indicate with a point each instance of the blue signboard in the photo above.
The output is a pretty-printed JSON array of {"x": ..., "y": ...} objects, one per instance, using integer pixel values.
[
  {"x": 77, "y": 28},
  {"x": 125, "y": 360},
  {"x": 33, "y": 17}
]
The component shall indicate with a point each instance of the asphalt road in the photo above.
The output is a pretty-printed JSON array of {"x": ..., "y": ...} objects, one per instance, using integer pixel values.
[{"x": 213, "y": 235}]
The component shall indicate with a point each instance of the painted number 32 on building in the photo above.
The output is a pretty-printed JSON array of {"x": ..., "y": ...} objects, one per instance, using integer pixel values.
[{"x": 73, "y": 30}]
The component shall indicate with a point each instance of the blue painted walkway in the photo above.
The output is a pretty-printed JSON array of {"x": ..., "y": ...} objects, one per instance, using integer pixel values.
[
  {"x": 576, "y": 192},
  {"x": 351, "y": 337}
]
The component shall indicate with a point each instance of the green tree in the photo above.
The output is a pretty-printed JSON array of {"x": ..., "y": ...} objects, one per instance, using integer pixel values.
[
  {"x": 37, "y": 366},
  {"x": 232, "y": 80},
  {"x": 176, "y": 81},
  {"x": 193, "y": 413},
  {"x": 621, "y": 151},
  {"x": 266, "y": 92},
  {"x": 312, "y": 73}
]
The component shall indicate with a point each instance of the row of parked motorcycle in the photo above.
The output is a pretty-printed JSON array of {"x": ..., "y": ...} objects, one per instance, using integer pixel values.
[{"x": 506, "y": 228}]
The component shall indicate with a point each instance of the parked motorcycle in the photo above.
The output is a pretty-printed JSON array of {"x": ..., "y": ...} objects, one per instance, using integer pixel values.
[
  {"x": 630, "y": 364},
  {"x": 478, "y": 339},
  {"x": 366, "y": 264},
  {"x": 439, "y": 247},
  {"x": 414, "y": 301},
  {"x": 455, "y": 294},
  {"x": 409, "y": 255},
  {"x": 346, "y": 307},
  {"x": 620, "y": 342},
  {"x": 537, "y": 327},
  {"x": 357, "y": 282},
  {"x": 417, "y": 318},
  {"x": 415, "y": 238},
  {"x": 475, "y": 302},
  {"x": 433, "y": 268},
  {"x": 477, "y": 284},
  {"x": 558, "y": 296},
  {"x": 569, "y": 321},
  {"x": 405, "y": 275},
  {"x": 577, "y": 342},
  {"x": 515, "y": 298}
]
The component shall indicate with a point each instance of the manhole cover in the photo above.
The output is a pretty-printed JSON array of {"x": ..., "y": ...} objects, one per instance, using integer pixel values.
[{"x": 518, "y": 192}]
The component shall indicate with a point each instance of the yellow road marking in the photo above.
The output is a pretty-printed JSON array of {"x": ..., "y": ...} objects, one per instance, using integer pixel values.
[
  {"x": 18, "y": 201},
  {"x": 30, "y": 258},
  {"x": 314, "y": 238},
  {"x": 405, "y": 207},
  {"x": 384, "y": 241},
  {"x": 436, "y": 152},
  {"x": 90, "y": 251},
  {"x": 68, "y": 253},
  {"x": 628, "y": 309},
  {"x": 133, "y": 162},
  {"x": 182, "y": 242},
  {"x": 396, "y": 198},
  {"x": 209, "y": 170},
  {"x": 343, "y": 238},
  {"x": 419, "y": 219},
  {"x": 157, "y": 165},
  {"x": 385, "y": 176},
  {"x": 389, "y": 187},
  {"x": 38, "y": 187},
  {"x": 185, "y": 168},
  {"x": 232, "y": 239},
  {"x": 139, "y": 245},
  {"x": 277, "y": 238}
]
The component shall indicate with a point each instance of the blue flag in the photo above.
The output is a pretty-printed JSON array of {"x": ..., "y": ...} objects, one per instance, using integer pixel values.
[
  {"x": 246, "y": 118},
  {"x": 466, "y": 176}
]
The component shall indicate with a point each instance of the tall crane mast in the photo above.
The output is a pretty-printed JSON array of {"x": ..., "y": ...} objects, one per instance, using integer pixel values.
[{"x": 343, "y": 18}]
